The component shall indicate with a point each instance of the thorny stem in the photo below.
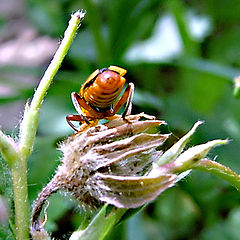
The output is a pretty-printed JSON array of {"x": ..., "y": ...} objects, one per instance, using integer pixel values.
[{"x": 28, "y": 131}]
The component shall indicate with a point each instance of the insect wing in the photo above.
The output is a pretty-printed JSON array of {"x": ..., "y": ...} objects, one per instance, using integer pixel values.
[{"x": 130, "y": 192}]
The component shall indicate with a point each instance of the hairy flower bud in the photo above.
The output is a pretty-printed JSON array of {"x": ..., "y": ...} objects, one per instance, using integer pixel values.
[
  {"x": 110, "y": 163},
  {"x": 118, "y": 163}
]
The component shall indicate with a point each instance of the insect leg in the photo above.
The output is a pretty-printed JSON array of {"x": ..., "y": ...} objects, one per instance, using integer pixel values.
[
  {"x": 77, "y": 102},
  {"x": 126, "y": 98},
  {"x": 77, "y": 118},
  {"x": 128, "y": 107}
]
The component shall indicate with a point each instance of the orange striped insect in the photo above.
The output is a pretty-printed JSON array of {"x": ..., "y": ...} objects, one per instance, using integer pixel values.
[{"x": 97, "y": 98}]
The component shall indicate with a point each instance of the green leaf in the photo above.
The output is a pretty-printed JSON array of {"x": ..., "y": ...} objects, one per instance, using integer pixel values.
[{"x": 100, "y": 225}]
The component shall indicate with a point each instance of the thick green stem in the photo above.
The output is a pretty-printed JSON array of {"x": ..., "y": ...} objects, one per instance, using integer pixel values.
[
  {"x": 19, "y": 178},
  {"x": 219, "y": 170}
]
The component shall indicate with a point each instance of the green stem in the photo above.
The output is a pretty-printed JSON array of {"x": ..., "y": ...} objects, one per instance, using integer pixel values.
[
  {"x": 19, "y": 178},
  {"x": 219, "y": 170},
  {"x": 28, "y": 131},
  {"x": 30, "y": 120}
]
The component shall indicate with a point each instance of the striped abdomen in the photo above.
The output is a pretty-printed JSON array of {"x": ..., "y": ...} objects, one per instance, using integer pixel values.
[{"x": 104, "y": 90}]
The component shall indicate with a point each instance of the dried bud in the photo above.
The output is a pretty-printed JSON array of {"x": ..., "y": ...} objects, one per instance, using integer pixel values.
[{"x": 109, "y": 163}]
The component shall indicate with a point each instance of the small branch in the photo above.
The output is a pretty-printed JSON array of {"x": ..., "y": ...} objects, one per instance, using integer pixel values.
[{"x": 219, "y": 170}]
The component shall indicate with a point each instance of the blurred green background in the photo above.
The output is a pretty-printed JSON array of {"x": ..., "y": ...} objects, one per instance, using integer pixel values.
[{"x": 182, "y": 57}]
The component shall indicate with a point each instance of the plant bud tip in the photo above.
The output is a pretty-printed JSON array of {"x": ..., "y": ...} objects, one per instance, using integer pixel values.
[{"x": 79, "y": 14}]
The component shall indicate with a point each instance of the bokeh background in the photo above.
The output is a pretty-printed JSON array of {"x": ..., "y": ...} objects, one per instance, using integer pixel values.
[{"x": 182, "y": 57}]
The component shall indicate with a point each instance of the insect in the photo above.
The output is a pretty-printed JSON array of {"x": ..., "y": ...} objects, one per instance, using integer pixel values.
[{"x": 97, "y": 98}]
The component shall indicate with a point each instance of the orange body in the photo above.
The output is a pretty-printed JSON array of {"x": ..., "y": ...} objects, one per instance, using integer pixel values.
[
  {"x": 98, "y": 95},
  {"x": 103, "y": 90}
]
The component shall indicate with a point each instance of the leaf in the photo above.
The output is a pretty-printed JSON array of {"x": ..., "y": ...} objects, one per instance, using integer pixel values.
[{"x": 99, "y": 226}]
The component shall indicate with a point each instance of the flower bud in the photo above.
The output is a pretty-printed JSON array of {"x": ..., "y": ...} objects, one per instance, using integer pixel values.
[{"x": 110, "y": 163}]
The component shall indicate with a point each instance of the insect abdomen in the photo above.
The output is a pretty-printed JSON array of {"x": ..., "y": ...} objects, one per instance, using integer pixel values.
[{"x": 105, "y": 89}]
